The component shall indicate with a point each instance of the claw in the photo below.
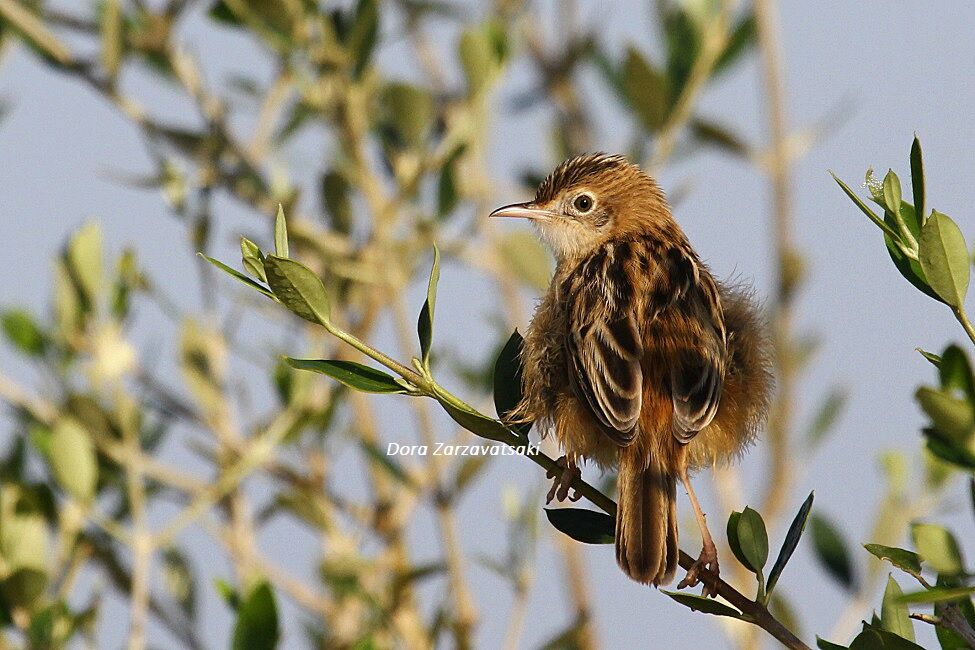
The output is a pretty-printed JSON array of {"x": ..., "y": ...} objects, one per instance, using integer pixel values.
[
  {"x": 708, "y": 561},
  {"x": 563, "y": 481}
]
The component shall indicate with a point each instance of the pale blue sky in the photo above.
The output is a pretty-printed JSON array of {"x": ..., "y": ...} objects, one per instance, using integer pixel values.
[{"x": 901, "y": 67}]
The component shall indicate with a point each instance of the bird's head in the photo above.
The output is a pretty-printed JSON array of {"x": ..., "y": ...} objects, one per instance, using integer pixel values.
[{"x": 589, "y": 199}]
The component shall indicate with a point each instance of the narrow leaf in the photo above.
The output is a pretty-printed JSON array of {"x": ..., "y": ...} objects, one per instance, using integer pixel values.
[
  {"x": 930, "y": 356},
  {"x": 907, "y": 561},
  {"x": 586, "y": 526},
  {"x": 917, "y": 178},
  {"x": 892, "y": 192},
  {"x": 252, "y": 259},
  {"x": 507, "y": 380},
  {"x": 865, "y": 209},
  {"x": 237, "y": 275},
  {"x": 790, "y": 543},
  {"x": 831, "y": 551},
  {"x": 893, "y": 612},
  {"x": 352, "y": 374},
  {"x": 936, "y": 595},
  {"x": 425, "y": 323},
  {"x": 702, "y": 604},
  {"x": 479, "y": 424},
  {"x": 280, "y": 233}
]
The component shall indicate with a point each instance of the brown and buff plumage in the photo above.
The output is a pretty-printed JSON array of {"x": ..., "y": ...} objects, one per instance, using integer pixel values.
[{"x": 637, "y": 358}]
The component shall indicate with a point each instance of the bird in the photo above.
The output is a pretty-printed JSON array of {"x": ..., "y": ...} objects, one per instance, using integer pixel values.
[{"x": 636, "y": 357}]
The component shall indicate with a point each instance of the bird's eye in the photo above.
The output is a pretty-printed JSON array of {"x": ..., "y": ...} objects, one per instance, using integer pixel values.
[{"x": 583, "y": 203}]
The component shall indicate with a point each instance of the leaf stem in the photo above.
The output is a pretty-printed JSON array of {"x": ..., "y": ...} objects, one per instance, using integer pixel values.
[{"x": 965, "y": 322}]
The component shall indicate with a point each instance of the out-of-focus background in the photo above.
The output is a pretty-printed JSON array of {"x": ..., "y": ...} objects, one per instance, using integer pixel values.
[{"x": 183, "y": 143}]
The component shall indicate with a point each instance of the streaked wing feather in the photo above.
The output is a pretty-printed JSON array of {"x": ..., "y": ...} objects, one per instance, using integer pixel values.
[{"x": 604, "y": 360}]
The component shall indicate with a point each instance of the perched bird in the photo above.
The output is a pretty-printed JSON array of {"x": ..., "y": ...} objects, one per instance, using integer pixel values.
[{"x": 636, "y": 357}]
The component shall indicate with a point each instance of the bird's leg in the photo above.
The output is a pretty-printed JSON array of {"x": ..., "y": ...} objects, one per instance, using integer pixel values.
[
  {"x": 563, "y": 481},
  {"x": 708, "y": 559}
]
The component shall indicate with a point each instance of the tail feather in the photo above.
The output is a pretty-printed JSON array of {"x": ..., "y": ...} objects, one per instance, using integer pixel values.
[{"x": 646, "y": 522}]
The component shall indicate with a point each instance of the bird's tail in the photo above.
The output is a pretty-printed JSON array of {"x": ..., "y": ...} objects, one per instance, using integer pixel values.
[{"x": 646, "y": 521}]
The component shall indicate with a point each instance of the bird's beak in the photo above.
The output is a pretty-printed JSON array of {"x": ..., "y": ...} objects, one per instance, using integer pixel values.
[{"x": 523, "y": 211}]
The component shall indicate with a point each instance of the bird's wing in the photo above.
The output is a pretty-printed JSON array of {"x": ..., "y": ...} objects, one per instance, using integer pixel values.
[
  {"x": 603, "y": 346},
  {"x": 697, "y": 366}
]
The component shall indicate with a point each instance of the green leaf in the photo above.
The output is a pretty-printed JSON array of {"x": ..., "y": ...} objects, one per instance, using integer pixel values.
[
  {"x": 702, "y": 604},
  {"x": 938, "y": 547},
  {"x": 733, "y": 543},
  {"x": 23, "y": 540},
  {"x": 73, "y": 460},
  {"x": 280, "y": 233},
  {"x": 876, "y": 638},
  {"x": 790, "y": 543},
  {"x": 943, "y": 256},
  {"x": 447, "y": 198},
  {"x": 949, "y": 414},
  {"x": 253, "y": 259},
  {"x": 646, "y": 90},
  {"x": 586, "y": 526},
  {"x": 386, "y": 462},
  {"x": 352, "y": 374},
  {"x": 424, "y": 325},
  {"x": 23, "y": 332},
  {"x": 936, "y": 595},
  {"x": 831, "y": 551},
  {"x": 917, "y": 178},
  {"x": 361, "y": 40},
  {"x": 230, "y": 595},
  {"x": 23, "y": 587},
  {"x": 753, "y": 539},
  {"x": 720, "y": 137},
  {"x": 892, "y": 192},
  {"x": 410, "y": 111},
  {"x": 335, "y": 195},
  {"x": 949, "y": 449},
  {"x": 468, "y": 471},
  {"x": 479, "y": 424},
  {"x": 478, "y": 58},
  {"x": 955, "y": 372},
  {"x": 257, "y": 621},
  {"x": 826, "y": 417},
  {"x": 742, "y": 38},
  {"x": 298, "y": 288},
  {"x": 893, "y": 612},
  {"x": 907, "y": 561},
  {"x": 507, "y": 381},
  {"x": 930, "y": 356},
  {"x": 179, "y": 579},
  {"x": 237, "y": 275},
  {"x": 823, "y": 644},
  {"x": 865, "y": 209},
  {"x": 84, "y": 258}
]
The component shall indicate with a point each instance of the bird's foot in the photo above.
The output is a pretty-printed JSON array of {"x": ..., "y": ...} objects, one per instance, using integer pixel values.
[
  {"x": 708, "y": 561},
  {"x": 563, "y": 481}
]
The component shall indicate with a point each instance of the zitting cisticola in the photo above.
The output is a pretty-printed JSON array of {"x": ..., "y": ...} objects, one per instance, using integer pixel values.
[{"x": 637, "y": 357}]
